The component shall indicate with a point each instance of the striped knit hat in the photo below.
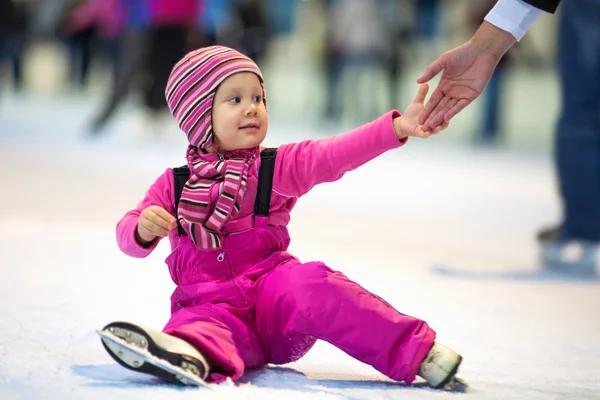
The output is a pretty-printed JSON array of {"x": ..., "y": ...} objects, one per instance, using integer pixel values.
[
  {"x": 190, "y": 93},
  {"x": 192, "y": 85}
]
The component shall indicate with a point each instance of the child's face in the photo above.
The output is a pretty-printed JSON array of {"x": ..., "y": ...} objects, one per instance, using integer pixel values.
[{"x": 239, "y": 115}]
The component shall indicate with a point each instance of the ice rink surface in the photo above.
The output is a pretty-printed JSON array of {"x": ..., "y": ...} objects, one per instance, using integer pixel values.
[{"x": 453, "y": 244}]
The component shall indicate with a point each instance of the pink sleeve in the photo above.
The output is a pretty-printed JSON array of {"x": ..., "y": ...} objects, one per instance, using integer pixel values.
[
  {"x": 300, "y": 166},
  {"x": 160, "y": 194}
]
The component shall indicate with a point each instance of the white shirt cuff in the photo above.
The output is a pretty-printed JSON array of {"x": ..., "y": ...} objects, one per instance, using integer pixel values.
[{"x": 513, "y": 16}]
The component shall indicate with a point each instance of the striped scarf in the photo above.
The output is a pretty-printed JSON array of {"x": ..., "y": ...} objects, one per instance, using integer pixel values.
[{"x": 190, "y": 93}]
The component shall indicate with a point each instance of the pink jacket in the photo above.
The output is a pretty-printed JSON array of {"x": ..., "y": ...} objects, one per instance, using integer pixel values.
[{"x": 299, "y": 167}]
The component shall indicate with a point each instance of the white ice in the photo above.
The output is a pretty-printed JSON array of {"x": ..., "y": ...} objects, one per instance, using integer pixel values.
[{"x": 523, "y": 334}]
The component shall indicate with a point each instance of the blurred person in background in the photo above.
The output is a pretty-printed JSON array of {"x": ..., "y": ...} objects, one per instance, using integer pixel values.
[
  {"x": 373, "y": 44},
  {"x": 7, "y": 16},
  {"x": 214, "y": 17},
  {"x": 239, "y": 24},
  {"x": 14, "y": 24},
  {"x": 252, "y": 29},
  {"x": 171, "y": 23},
  {"x": 280, "y": 16},
  {"x": 428, "y": 18},
  {"x": 80, "y": 26},
  {"x": 131, "y": 48},
  {"x": 48, "y": 17},
  {"x": 249, "y": 26},
  {"x": 88, "y": 26},
  {"x": 154, "y": 37}
]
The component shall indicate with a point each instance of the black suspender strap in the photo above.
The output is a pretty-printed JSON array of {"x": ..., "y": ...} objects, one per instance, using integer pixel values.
[
  {"x": 263, "y": 193},
  {"x": 265, "y": 182},
  {"x": 180, "y": 177}
]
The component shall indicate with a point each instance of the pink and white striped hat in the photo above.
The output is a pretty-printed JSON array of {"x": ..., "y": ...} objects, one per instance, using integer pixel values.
[{"x": 192, "y": 85}]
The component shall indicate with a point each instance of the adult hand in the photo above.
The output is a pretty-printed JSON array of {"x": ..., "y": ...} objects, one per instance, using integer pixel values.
[{"x": 467, "y": 70}]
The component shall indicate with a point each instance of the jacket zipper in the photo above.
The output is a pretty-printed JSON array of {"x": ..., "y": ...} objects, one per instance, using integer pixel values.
[
  {"x": 233, "y": 281},
  {"x": 222, "y": 157}
]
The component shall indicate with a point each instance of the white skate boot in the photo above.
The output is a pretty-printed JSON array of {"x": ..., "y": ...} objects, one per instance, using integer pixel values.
[
  {"x": 155, "y": 353},
  {"x": 439, "y": 366}
]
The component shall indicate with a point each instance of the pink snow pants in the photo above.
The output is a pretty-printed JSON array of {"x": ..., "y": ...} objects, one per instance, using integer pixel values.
[{"x": 251, "y": 303}]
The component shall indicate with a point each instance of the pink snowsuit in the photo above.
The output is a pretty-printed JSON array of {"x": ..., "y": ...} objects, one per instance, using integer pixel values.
[{"x": 251, "y": 302}]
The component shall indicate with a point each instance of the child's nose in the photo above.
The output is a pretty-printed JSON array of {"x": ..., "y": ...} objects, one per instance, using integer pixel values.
[{"x": 251, "y": 109}]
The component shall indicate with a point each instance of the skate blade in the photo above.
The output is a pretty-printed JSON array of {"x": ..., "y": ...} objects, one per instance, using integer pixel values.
[
  {"x": 456, "y": 385},
  {"x": 139, "y": 354}
]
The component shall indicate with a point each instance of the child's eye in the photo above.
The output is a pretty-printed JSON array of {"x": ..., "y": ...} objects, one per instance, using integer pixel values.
[
  {"x": 257, "y": 99},
  {"x": 234, "y": 100}
]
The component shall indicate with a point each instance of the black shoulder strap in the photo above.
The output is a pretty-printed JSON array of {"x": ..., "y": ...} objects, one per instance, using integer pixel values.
[
  {"x": 265, "y": 182},
  {"x": 263, "y": 193},
  {"x": 180, "y": 177}
]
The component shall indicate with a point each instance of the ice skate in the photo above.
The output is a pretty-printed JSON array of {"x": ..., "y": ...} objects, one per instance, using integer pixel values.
[
  {"x": 155, "y": 353},
  {"x": 571, "y": 257},
  {"x": 439, "y": 367}
]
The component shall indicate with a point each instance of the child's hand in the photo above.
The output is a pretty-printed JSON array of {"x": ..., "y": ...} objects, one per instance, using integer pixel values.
[
  {"x": 408, "y": 125},
  {"x": 154, "y": 222}
]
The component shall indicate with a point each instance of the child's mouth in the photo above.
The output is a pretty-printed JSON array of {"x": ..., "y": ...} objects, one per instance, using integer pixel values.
[{"x": 250, "y": 127}]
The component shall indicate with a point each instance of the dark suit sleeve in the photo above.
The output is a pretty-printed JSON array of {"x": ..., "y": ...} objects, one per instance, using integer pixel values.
[{"x": 544, "y": 5}]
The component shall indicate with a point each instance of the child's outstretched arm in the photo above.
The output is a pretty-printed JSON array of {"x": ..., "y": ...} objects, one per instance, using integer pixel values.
[
  {"x": 140, "y": 230},
  {"x": 300, "y": 166}
]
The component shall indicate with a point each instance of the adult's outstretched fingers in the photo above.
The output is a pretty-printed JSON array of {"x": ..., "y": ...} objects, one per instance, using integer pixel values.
[
  {"x": 455, "y": 109},
  {"x": 433, "y": 69}
]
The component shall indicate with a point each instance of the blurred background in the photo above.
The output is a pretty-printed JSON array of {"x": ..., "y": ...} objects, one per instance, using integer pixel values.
[{"x": 326, "y": 62}]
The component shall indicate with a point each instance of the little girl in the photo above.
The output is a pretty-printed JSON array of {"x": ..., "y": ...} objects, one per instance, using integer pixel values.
[{"x": 242, "y": 301}]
